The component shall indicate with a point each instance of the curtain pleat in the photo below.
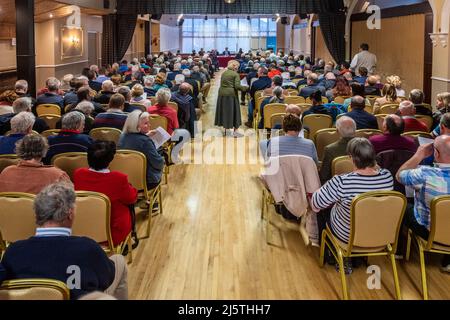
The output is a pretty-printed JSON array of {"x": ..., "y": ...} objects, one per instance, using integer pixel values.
[{"x": 333, "y": 30}]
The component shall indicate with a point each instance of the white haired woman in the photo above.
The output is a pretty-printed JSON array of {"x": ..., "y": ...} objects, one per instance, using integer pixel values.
[
  {"x": 228, "y": 112},
  {"x": 161, "y": 108}
]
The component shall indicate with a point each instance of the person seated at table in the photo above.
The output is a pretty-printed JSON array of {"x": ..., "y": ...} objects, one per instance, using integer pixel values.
[{"x": 226, "y": 52}]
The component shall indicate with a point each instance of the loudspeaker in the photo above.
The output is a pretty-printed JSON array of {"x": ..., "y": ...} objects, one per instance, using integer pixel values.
[
  {"x": 180, "y": 22},
  {"x": 284, "y": 20},
  {"x": 105, "y": 4},
  {"x": 156, "y": 16}
]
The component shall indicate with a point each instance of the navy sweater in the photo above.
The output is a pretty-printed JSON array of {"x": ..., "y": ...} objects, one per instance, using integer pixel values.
[{"x": 49, "y": 257}]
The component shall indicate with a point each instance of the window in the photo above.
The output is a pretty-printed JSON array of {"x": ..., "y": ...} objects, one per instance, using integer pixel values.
[{"x": 232, "y": 33}]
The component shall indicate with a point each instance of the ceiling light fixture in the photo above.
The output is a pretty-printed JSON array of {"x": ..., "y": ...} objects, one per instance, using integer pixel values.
[
  {"x": 51, "y": 15},
  {"x": 230, "y": 1}
]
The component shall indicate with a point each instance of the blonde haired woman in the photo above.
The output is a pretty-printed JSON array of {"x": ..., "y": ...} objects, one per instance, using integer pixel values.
[
  {"x": 443, "y": 107},
  {"x": 228, "y": 112},
  {"x": 389, "y": 96},
  {"x": 397, "y": 83},
  {"x": 137, "y": 96}
]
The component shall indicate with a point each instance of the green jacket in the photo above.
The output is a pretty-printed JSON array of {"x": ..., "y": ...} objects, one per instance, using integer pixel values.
[
  {"x": 230, "y": 84},
  {"x": 331, "y": 152}
]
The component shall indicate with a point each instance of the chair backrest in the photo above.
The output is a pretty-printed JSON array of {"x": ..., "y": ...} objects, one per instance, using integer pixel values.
[
  {"x": 416, "y": 134},
  {"x": 428, "y": 106},
  {"x": 259, "y": 93},
  {"x": 106, "y": 133},
  {"x": 376, "y": 219},
  {"x": 372, "y": 99},
  {"x": 368, "y": 108},
  {"x": 427, "y": 120},
  {"x": 316, "y": 122},
  {"x": 341, "y": 165},
  {"x": 367, "y": 133},
  {"x": 304, "y": 106},
  {"x": 48, "y": 109},
  {"x": 70, "y": 161},
  {"x": 158, "y": 121},
  {"x": 152, "y": 100},
  {"x": 50, "y": 132},
  {"x": 380, "y": 120},
  {"x": 140, "y": 106},
  {"x": 341, "y": 99},
  {"x": 7, "y": 160},
  {"x": 390, "y": 108},
  {"x": 292, "y": 92},
  {"x": 50, "y": 119},
  {"x": 173, "y": 105},
  {"x": 258, "y": 102},
  {"x": 277, "y": 119},
  {"x": 440, "y": 221},
  {"x": 324, "y": 138},
  {"x": 17, "y": 218},
  {"x": 92, "y": 217},
  {"x": 392, "y": 160},
  {"x": 271, "y": 109},
  {"x": 133, "y": 164},
  {"x": 34, "y": 289},
  {"x": 294, "y": 100}
]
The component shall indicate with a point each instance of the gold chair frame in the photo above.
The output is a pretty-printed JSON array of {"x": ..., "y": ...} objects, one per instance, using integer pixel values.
[{"x": 19, "y": 284}]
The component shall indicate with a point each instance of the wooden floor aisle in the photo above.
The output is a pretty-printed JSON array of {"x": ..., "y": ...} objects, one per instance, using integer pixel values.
[{"x": 210, "y": 243}]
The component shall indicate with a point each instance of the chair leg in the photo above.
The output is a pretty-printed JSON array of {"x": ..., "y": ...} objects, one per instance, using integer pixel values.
[
  {"x": 396, "y": 282},
  {"x": 160, "y": 204},
  {"x": 342, "y": 273},
  {"x": 263, "y": 202},
  {"x": 423, "y": 273},
  {"x": 322, "y": 249},
  {"x": 408, "y": 244},
  {"x": 130, "y": 250},
  {"x": 268, "y": 225}
]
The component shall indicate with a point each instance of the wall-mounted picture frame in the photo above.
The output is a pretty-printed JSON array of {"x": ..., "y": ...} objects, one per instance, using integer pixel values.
[{"x": 71, "y": 42}]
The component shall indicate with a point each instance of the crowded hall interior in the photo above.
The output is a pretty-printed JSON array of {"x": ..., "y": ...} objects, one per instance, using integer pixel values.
[{"x": 224, "y": 150}]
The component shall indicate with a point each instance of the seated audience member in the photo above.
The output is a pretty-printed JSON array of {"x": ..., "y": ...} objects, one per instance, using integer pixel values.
[
  {"x": 428, "y": 182},
  {"x": 317, "y": 105},
  {"x": 341, "y": 89},
  {"x": 273, "y": 71},
  {"x": 442, "y": 105},
  {"x": 21, "y": 125},
  {"x": 161, "y": 108},
  {"x": 125, "y": 91},
  {"x": 263, "y": 82},
  {"x": 114, "y": 117},
  {"x": 345, "y": 67},
  {"x": 417, "y": 97},
  {"x": 194, "y": 84},
  {"x": 397, "y": 83},
  {"x": 346, "y": 128},
  {"x": 70, "y": 138},
  {"x": 135, "y": 136},
  {"x": 363, "y": 119},
  {"x": 71, "y": 96},
  {"x": 160, "y": 81},
  {"x": 93, "y": 83},
  {"x": 312, "y": 86},
  {"x": 149, "y": 81},
  {"x": 105, "y": 94},
  {"x": 277, "y": 81},
  {"x": 186, "y": 110},
  {"x": 371, "y": 88},
  {"x": 176, "y": 71},
  {"x": 291, "y": 143},
  {"x": 362, "y": 78},
  {"x": 21, "y": 89},
  {"x": 52, "y": 95},
  {"x": 102, "y": 75},
  {"x": 389, "y": 96},
  {"x": 408, "y": 114},
  {"x": 340, "y": 191},
  {"x": 7, "y": 99},
  {"x": 356, "y": 90},
  {"x": 83, "y": 94},
  {"x": 444, "y": 126},
  {"x": 20, "y": 105},
  {"x": 52, "y": 250},
  {"x": 179, "y": 79},
  {"x": 391, "y": 139},
  {"x": 137, "y": 96},
  {"x": 115, "y": 185},
  {"x": 349, "y": 77},
  {"x": 277, "y": 97},
  {"x": 30, "y": 175},
  {"x": 116, "y": 80}
]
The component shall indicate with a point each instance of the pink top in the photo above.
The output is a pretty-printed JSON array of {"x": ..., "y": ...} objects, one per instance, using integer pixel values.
[{"x": 167, "y": 112}]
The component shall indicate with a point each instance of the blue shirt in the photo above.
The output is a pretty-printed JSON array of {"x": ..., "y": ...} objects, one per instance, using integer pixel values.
[
  {"x": 8, "y": 143},
  {"x": 67, "y": 141},
  {"x": 308, "y": 90},
  {"x": 428, "y": 183},
  {"x": 289, "y": 145},
  {"x": 363, "y": 119}
]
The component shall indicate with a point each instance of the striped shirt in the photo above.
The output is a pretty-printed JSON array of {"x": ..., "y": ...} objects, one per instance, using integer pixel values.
[
  {"x": 428, "y": 182},
  {"x": 341, "y": 190},
  {"x": 53, "y": 232},
  {"x": 288, "y": 145}
]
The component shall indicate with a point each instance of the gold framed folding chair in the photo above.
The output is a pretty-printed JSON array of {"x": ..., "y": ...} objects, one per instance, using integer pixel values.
[
  {"x": 34, "y": 289},
  {"x": 375, "y": 224},
  {"x": 134, "y": 164},
  {"x": 48, "y": 108},
  {"x": 390, "y": 108},
  {"x": 323, "y": 138},
  {"x": 439, "y": 239},
  {"x": 50, "y": 132},
  {"x": 93, "y": 220},
  {"x": 17, "y": 218},
  {"x": 324, "y": 100},
  {"x": 50, "y": 119},
  {"x": 304, "y": 106},
  {"x": 341, "y": 165},
  {"x": 341, "y": 99},
  {"x": 427, "y": 120},
  {"x": 139, "y": 106},
  {"x": 106, "y": 133},
  {"x": 294, "y": 100},
  {"x": 256, "y": 112},
  {"x": 7, "y": 160},
  {"x": 271, "y": 109},
  {"x": 416, "y": 134},
  {"x": 380, "y": 120},
  {"x": 277, "y": 119},
  {"x": 367, "y": 133},
  {"x": 372, "y": 99},
  {"x": 152, "y": 100},
  {"x": 173, "y": 105},
  {"x": 70, "y": 161},
  {"x": 157, "y": 121},
  {"x": 292, "y": 92},
  {"x": 316, "y": 122}
]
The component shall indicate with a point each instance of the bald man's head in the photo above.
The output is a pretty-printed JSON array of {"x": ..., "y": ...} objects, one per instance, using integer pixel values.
[
  {"x": 407, "y": 108},
  {"x": 442, "y": 149},
  {"x": 346, "y": 127},
  {"x": 358, "y": 102},
  {"x": 184, "y": 88},
  {"x": 294, "y": 109},
  {"x": 394, "y": 125}
]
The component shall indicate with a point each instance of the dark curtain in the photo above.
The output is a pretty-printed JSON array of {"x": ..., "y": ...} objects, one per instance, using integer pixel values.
[
  {"x": 220, "y": 7},
  {"x": 333, "y": 30},
  {"x": 118, "y": 30}
]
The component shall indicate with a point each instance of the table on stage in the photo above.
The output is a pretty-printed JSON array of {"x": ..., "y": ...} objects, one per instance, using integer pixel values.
[{"x": 223, "y": 60}]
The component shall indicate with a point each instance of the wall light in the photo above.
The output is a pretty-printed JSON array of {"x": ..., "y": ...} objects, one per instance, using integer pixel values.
[{"x": 74, "y": 40}]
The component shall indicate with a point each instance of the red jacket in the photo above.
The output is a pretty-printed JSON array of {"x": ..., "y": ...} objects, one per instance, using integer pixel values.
[
  {"x": 274, "y": 73},
  {"x": 412, "y": 124},
  {"x": 119, "y": 191},
  {"x": 169, "y": 113}
]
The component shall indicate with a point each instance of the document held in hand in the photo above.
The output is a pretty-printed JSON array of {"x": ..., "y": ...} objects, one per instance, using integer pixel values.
[
  {"x": 423, "y": 140},
  {"x": 160, "y": 137}
]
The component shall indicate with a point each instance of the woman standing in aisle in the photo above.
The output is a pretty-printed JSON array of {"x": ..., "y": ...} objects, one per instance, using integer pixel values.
[{"x": 228, "y": 112}]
